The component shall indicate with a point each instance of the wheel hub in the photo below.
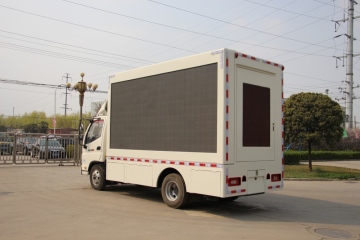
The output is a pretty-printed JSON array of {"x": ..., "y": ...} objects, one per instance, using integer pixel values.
[
  {"x": 172, "y": 191},
  {"x": 96, "y": 177}
]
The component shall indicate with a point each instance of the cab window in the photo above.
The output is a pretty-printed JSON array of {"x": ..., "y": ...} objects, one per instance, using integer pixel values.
[{"x": 94, "y": 131}]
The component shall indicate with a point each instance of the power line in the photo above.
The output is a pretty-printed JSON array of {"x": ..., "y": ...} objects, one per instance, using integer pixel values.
[
  {"x": 186, "y": 30},
  {"x": 60, "y": 55},
  {"x": 279, "y": 9},
  {"x": 18, "y": 82},
  {"x": 89, "y": 49},
  {"x": 230, "y": 23},
  {"x": 96, "y": 29}
]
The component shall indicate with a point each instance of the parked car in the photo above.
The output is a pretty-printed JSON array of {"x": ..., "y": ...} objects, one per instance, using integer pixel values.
[
  {"x": 65, "y": 141},
  {"x": 24, "y": 144},
  {"x": 5, "y": 144},
  {"x": 55, "y": 150}
]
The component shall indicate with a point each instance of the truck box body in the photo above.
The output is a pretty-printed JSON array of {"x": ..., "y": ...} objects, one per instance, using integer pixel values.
[{"x": 215, "y": 118}]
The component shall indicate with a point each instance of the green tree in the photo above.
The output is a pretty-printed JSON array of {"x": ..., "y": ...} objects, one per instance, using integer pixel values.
[
  {"x": 31, "y": 128},
  {"x": 43, "y": 127},
  {"x": 311, "y": 117}
]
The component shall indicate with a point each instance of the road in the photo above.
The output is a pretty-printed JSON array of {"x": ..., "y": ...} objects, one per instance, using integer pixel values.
[{"x": 53, "y": 202}]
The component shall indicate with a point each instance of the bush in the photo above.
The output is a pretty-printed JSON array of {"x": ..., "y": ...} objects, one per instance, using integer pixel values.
[
  {"x": 70, "y": 151},
  {"x": 294, "y": 157}
]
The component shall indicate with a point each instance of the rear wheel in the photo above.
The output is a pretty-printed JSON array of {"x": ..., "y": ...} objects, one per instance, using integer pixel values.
[
  {"x": 173, "y": 191},
  {"x": 97, "y": 177}
]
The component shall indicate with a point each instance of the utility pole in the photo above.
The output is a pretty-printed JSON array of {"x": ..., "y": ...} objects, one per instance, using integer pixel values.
[
  {"x": 349, "y": 64},
  {"x": 66, "y": 93}
]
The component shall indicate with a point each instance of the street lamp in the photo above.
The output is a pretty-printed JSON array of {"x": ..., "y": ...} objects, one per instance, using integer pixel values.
[{"x": 82, "y": 87}]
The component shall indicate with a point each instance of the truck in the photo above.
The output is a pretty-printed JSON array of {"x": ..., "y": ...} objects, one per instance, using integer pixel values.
[{"x": 207, "y": 125}]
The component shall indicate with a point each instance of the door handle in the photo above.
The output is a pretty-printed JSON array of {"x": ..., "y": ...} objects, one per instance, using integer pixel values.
[{"x": 98, "y": 148}]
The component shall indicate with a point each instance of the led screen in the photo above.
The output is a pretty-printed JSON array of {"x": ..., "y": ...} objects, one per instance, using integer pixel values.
[{"x": 175, "y": 111}]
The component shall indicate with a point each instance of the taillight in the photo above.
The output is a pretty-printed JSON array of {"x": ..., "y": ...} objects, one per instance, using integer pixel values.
[
  {"x": 234, "y": 182},
  {"x": 275, "y": 177}
]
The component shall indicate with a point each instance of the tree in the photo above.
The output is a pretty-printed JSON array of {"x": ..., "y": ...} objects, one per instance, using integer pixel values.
[{"x": 311, "y": 117}]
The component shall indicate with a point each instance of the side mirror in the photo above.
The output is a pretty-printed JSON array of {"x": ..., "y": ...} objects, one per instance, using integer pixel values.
[
  {"x": 81, "y": 132},
  {"x": 81, "y": 139}
]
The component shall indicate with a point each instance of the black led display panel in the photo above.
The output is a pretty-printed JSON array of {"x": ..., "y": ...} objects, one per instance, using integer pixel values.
[
  {"x": 175, "y": 111},
  {"x": 256, "y": 116}
]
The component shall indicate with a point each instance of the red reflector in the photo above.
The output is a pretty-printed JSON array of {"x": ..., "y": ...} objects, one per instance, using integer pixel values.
[
  {"x": 234, "y": 182},
  {"x": 275, "y": 177}
]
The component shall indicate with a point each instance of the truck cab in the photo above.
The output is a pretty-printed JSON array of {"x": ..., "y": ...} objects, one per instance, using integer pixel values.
[{"x": 93, "y": 142}]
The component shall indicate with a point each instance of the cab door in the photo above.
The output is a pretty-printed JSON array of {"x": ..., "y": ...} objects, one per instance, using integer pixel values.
[{"x": 93, "y": 142}]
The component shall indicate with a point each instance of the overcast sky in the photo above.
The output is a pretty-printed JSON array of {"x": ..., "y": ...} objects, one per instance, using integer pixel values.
[{"x": 41, "y": 41}]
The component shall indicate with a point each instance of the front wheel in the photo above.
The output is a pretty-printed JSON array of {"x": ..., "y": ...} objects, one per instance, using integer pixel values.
[
  {"x": 97, "y": 177},
  {"x": 173, "y": 191}
]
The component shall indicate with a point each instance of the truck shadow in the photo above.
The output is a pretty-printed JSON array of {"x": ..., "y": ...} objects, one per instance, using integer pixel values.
[{"x": 269, "y": 207}]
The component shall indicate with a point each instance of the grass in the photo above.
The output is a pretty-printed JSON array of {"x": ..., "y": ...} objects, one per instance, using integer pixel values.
[{"x": 302, "y": 171}]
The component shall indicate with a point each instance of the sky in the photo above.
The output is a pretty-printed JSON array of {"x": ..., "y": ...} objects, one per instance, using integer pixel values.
[{"x": 43, "y": 41}]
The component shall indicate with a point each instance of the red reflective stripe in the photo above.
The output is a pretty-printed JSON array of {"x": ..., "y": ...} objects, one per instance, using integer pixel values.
[
  {"x": 182, "y": 163},
  {"x": 172, "y": 162},
  {"x": 233, "y": 191},
  {"x": 163, "y": 161},
  {"x": 253, "y": 58},
  {"x": 278, "y": 186},
  {"x": 112, "y": 158},
  {"x": 244, "y": 55},
  {"x": 227, "y": 62},
  {"x": 243, "y": 190},
  {"x": 146, "y": 160},
  {"x": 202, "y": 164},
  {"x": 155, "y": 161},
  {"x": 227, "y": 109},
  {"x": 268, "y": 62},
  {"x": 191, "y": 164},
  {"x": 269, "y": 187},
  {"x": 227, "y": 124},
  {"x": 227, "y": 141},
  {"x": 227, "y": 93},
  {"x": 227, "y": 77},
  {"x": 227, "y": 156},
  {"x": 213, "y": 165}
]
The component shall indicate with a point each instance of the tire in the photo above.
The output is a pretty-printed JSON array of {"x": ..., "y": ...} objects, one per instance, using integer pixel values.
[
  {"x": 173, "y": 191},
  {"x": 97, "y": 177}
]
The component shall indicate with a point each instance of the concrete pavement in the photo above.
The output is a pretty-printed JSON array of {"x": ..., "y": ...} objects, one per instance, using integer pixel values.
[{"x": 50, "y": 202}]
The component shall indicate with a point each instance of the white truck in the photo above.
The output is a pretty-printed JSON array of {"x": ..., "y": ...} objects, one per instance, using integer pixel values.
[{"x": 209, "y": 124}]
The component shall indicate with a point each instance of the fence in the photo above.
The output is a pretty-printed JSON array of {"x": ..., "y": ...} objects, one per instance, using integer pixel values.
[{"x": 31, "y": 148}]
